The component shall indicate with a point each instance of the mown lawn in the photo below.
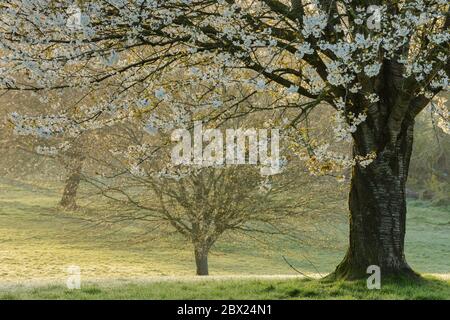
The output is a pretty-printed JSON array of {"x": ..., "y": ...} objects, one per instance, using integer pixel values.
[{"x": 428, "y": 288}]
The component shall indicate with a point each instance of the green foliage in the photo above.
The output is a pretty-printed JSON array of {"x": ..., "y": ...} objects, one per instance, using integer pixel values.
[{"x": 429, "y": 173}]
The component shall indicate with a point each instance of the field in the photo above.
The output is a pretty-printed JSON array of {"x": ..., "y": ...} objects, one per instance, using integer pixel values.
[{"x": 38, "y": 243}]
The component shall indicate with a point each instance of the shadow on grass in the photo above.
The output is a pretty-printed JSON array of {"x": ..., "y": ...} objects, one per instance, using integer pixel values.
[
  {"x": 408, "y": 288},
  {"x": 400, "y": 289}
]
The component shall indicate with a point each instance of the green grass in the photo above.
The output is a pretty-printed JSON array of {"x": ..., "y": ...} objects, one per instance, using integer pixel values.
[
  {"x": 38, "y": 242},
  {"x": 243, "y": 289}
]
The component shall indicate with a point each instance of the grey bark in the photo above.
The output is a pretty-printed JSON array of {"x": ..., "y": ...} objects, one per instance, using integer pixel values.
[{"x": 377, "y": 205}]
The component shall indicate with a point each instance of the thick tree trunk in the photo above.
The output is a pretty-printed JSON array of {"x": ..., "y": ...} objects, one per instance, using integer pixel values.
[
  {"x": 377, "y": 205},
  {"x": 201, "y": 260},
  {"x": 69, "y": 197}
]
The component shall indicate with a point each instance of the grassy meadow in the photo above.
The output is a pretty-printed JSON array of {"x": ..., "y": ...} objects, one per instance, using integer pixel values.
[
  {"x": 242, "y": 289},
  {"x": 38, "y": 242}
]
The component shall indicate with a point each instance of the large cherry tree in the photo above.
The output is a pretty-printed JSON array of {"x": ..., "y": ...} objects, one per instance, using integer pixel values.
[{"x": 377, "y": 63}]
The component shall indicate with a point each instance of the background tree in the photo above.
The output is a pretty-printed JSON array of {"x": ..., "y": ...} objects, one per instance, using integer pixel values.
[
  {"x": 59, "y": 156},
  {"x": 200, "y": 203},
  {"x": 73, "y": 161},
  {"x": 203, "y": 205},
  {"x": 430, "y": 162}
]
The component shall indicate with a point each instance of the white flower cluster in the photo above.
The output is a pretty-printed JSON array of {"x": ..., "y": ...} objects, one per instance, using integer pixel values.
[
  {"x": 164, "y": 62},
  {"x": 41, "y": 126},
  {"x": 346, "y": 124},
  {"x": 313, "y": 25},
  {"x": 303, "y": 49},
  {"x": 441, "y": 112},
  {"x": 53, "y": 150}
]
